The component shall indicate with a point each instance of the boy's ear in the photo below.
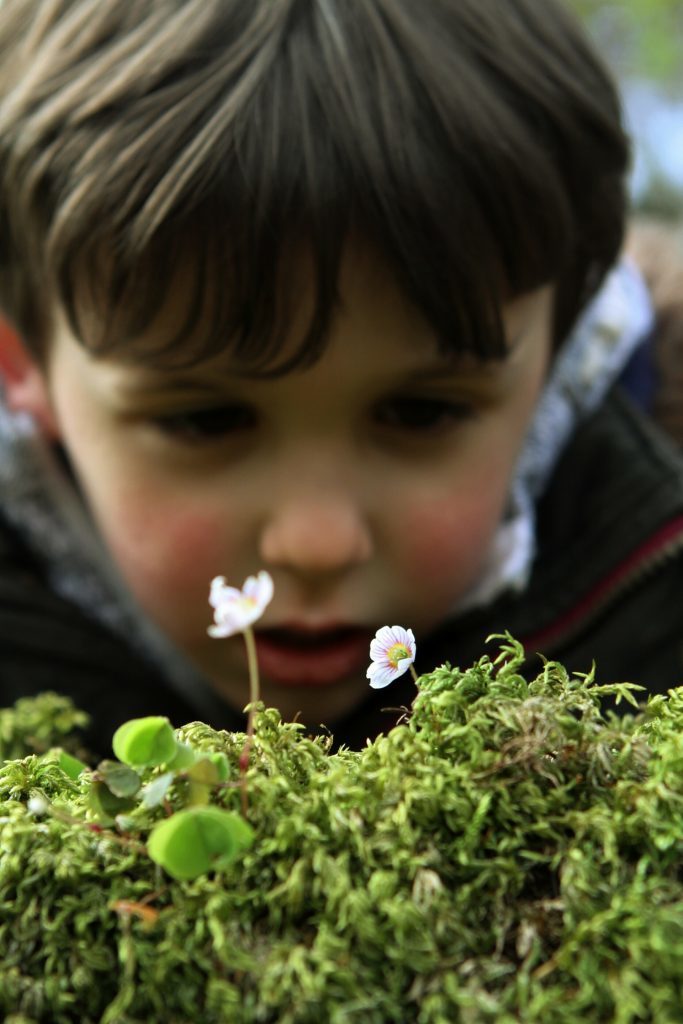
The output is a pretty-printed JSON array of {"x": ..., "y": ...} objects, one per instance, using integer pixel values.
[{"x": 24, "y": 382}]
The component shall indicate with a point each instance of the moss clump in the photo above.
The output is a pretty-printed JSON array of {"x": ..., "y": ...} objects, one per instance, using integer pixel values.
[
  {"x": 35, "y": 724},
  {"x": 512, "y": 852}
]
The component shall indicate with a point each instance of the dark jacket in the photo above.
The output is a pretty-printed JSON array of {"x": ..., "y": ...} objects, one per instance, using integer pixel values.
[{"x": 607, "y": 586}]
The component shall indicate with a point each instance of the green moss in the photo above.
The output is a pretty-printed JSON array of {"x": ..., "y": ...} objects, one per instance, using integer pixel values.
[
  {"x": 512, "y": 852},
  {"x": 34, "y": 724}
]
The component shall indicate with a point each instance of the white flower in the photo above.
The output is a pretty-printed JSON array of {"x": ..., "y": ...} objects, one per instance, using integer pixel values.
[
  {"x": 392, "y": 652},
  {"x": 234, "y": 610}
]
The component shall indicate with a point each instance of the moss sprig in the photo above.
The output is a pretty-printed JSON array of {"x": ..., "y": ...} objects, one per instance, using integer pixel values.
[{"x": 513, "y": 851}]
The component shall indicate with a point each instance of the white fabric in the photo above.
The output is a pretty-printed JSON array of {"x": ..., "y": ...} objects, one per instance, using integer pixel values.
[{"x": 592, "y": 358}]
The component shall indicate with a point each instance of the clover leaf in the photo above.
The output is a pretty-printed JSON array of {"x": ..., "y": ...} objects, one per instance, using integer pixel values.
[
  {"x": 145, "y": 742},
  {"x": 198, "y": 839}
]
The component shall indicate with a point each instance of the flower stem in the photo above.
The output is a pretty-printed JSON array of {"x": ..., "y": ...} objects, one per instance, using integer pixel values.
[
  {"x": 254, "y": 694},
  {"x": 413, "y": 672},
  {"x": 254, "y": 687}
]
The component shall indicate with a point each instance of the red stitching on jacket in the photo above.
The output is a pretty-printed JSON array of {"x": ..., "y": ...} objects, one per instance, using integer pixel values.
[{"x": 651, "y": 549}]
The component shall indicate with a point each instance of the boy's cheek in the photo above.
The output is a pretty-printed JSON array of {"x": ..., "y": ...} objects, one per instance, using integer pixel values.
[
  {"x": 168, "y": 556},
  {"x": 446, "y": 543}
]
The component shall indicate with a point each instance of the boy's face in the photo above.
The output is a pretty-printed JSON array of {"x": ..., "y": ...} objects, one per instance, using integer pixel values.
[{"x": 369, "y": 485}]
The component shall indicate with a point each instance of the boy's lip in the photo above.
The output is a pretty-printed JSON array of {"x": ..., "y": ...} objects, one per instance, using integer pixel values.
[{"x": 301, "y": 656}]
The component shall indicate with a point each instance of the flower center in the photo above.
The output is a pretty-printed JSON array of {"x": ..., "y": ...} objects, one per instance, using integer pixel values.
[{"x": 396, "y": 653}]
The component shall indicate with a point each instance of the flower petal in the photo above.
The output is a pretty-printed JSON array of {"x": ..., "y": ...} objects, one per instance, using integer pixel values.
[
  {"x": 264, "y": 589},
  {"x": 235, "y": 610},
  {"x": 221, "y": 593},
  {"x": 383, "y": 652},
  {"x": 220, "y": 631},
  {"x": 380, "y": 676}
]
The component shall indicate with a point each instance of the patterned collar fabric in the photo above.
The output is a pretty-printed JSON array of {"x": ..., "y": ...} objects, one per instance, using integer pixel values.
[{"x": 619, "y": 319}]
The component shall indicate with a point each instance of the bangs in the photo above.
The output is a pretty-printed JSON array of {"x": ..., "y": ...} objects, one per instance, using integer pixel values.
[{"x": 278, "y": 129}]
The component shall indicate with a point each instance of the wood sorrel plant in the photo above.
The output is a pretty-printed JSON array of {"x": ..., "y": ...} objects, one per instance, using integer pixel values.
[
  {"x": 235, "y": 611},
  {"x": 195, "y": 838},
  {"x": 156, "y": 769}
]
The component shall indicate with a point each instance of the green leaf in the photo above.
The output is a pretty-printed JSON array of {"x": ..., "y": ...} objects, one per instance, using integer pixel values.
[
  {"x": 203, "y": 776},
  {"x": 106, "y": 805},
  {"x": 119, "y": 778},
  {"x": 184, "y": 757},
  {"x": 71, "y": 765},
  {"x": 155, "y": 791},
  {"x": 145, "y": 742},
  {"x": 125, "y": 823},
  {"x": 197, "y": 840},
  {"x": 220, "y": 761}
]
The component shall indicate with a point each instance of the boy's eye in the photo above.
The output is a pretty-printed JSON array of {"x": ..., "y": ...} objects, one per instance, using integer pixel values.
[
  {"x": 207, "y": 424},
  {"x": 421, "y": 414}
]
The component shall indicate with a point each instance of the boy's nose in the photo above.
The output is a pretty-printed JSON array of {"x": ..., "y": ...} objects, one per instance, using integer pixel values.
[{"x": 316, "y": 535}]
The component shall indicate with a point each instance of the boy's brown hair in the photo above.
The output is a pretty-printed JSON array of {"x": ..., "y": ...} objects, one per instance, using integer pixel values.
[{"x": 477, "y": 145}]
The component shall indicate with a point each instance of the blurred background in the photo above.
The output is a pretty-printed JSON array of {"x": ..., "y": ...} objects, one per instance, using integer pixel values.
[{"x": 642, "y": 41}]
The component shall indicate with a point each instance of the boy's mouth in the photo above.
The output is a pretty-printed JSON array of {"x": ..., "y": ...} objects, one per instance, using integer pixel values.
[{"x": 302, "y": 657}]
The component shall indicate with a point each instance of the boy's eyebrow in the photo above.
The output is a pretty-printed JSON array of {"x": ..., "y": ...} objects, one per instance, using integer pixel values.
[
  {"x": 199, "y": 378},
  {"x": 453, "y": 364},
  {"x": 458, "y": 365},
  {"x": 159, "y": 386},
  {"x": 160, "y": 381}
]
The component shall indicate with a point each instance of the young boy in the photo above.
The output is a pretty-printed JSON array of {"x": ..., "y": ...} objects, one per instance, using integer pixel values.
[{"x": 304, "y": 286}]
